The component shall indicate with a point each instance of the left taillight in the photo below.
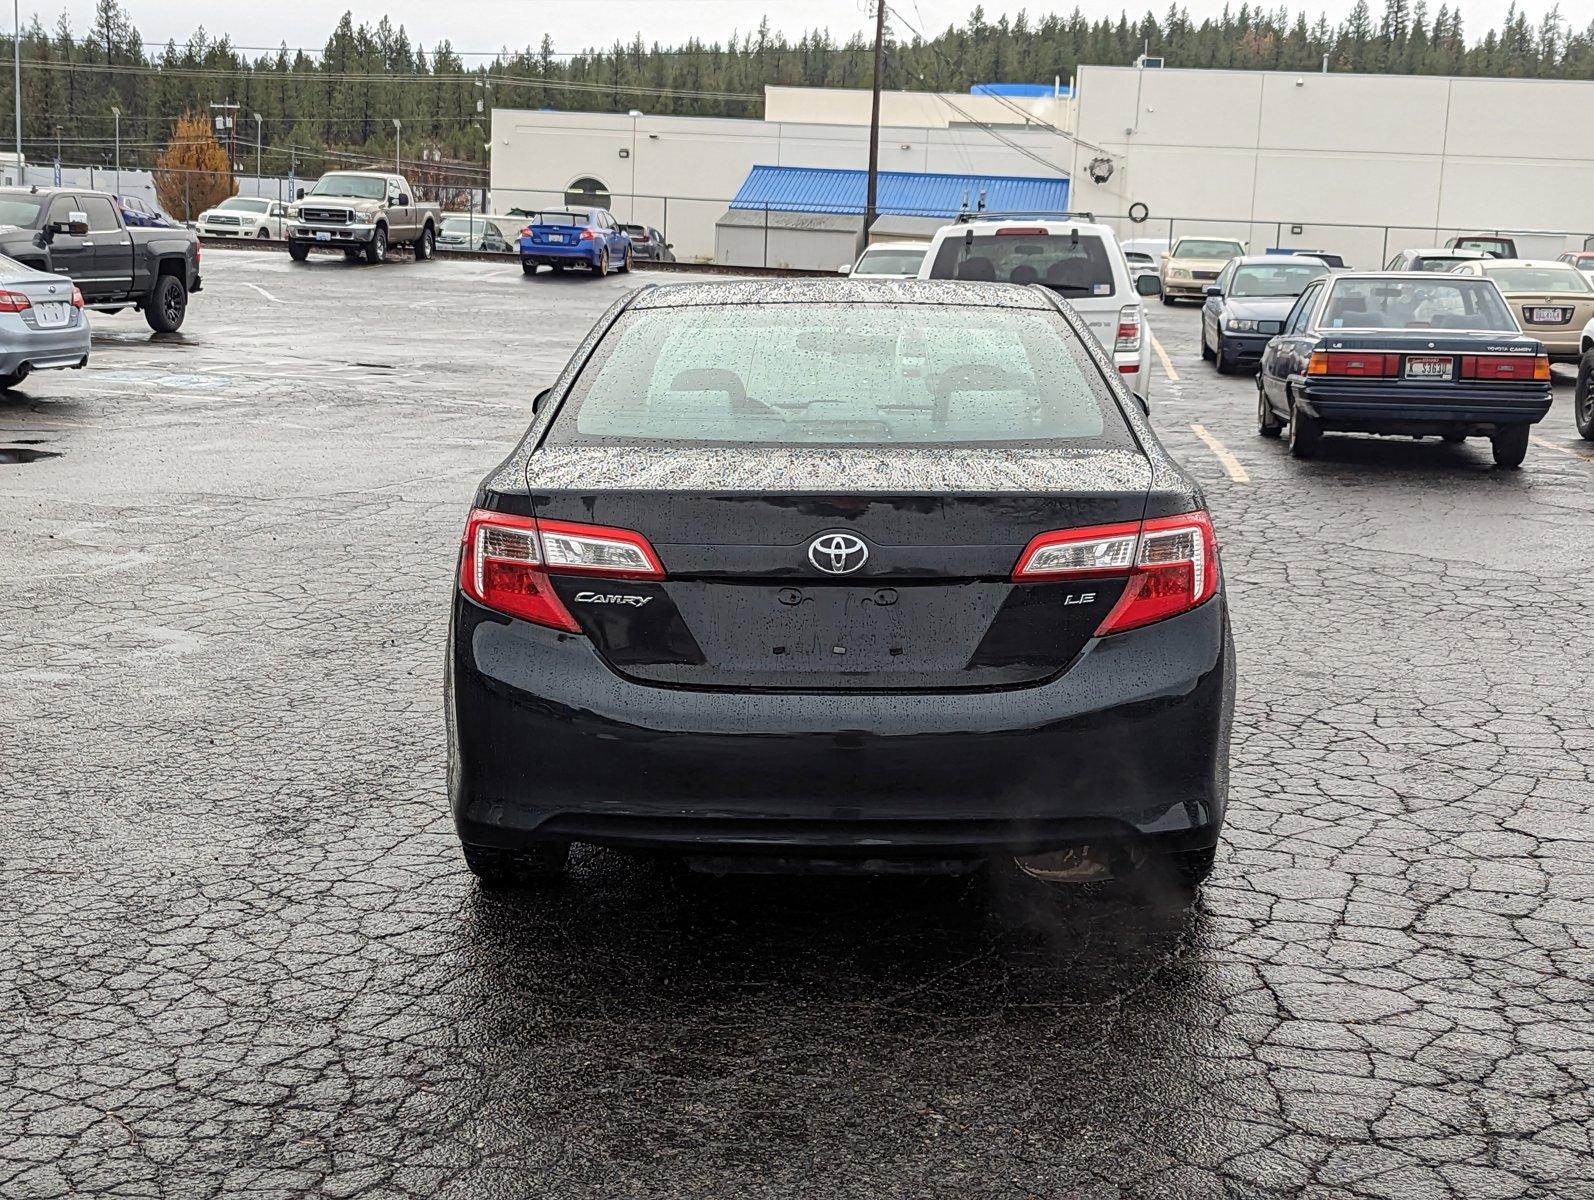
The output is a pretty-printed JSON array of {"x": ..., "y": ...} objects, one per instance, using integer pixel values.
[
  {"x": 14, "y": 302},
  {"x": 508, "y": 560},
  {"x": 1169, "y": 564},
  {"x": 1128, "y": 341}
]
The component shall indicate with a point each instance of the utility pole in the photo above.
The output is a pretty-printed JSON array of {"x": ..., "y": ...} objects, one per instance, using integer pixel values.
[
  {"x": 116, "y": 115},
  {"x": 873, "y": 194},
  {"x": 229, "y": 122},
  {"x": 398, "y": 132},
  {"x": 257, "y": 153}
]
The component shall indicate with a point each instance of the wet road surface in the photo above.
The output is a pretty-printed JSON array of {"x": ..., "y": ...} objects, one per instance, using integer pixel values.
[{"x": 242, "y": 956}]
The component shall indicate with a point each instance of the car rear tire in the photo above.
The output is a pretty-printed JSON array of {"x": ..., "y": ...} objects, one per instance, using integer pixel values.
[
  {"x": 7, "y": 382},
  {"x": 601, "y": 267},
  {"x": 167, "y": 305},
  {"x": 529, "y": 268},
  {"x": 1583, "y": 397},
  {"x": 425, "y": 244},
  {"x": 502, "y": 870},
  {"x": 376, "y": 248},
  {"x": 298, "y": 251},
  {"x": 1267, "y": 423},
  {"x": 1510, "y": 446},
  {"x": 1306, "y": 435}
]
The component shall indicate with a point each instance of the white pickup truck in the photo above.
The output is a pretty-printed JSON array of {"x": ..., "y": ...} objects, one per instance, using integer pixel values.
[{"x": 363, "y": 214}]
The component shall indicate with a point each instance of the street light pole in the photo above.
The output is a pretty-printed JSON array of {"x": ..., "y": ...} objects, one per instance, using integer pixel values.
[
  {"x": 873, "y": 187},
  {"x": 635, "y": 113},
  {"x": 116, "y": 115},
  {"x": 257, "y": 153},
  {"x": 16, "y": 82},
  {"x": 398, "y": 132}
]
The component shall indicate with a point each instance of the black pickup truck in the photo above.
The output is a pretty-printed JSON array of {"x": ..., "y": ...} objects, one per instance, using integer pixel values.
[{"x": 81, "y": 234}]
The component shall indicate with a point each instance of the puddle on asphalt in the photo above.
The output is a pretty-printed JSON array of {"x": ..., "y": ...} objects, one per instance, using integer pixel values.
[{"x": 24, "y": 454}]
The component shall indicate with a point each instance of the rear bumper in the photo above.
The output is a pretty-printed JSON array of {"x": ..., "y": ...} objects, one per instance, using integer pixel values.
[
  {"x": 1411, "y": 408},
  {"x": 546, "y": 742},
  {"x": 42, "y": 350},
  {"x": 583, "y": 253}
]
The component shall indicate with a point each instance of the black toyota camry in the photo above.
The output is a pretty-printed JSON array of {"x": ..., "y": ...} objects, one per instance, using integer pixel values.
[{"x": 840, "y": 576}]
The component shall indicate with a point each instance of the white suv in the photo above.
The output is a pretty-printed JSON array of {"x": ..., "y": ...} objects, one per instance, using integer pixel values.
[{"x": 1078, "y": 259}]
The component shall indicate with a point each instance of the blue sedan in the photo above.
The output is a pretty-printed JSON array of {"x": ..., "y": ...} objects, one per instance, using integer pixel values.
[
  {"x": 569, "y": 237},
  {"x": 1247, "y": 306},
  {"x": 1410, "y": 354}
]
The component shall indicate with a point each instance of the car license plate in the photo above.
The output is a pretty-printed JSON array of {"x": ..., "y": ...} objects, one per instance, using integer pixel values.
[
  {"x": 1547, "y": 316},
  {"x": 1429, "y": 367},
  {"x": 557, "y": 238},
  {"x": 50, "y": 314},
  {"x": 322, "y": 236}
]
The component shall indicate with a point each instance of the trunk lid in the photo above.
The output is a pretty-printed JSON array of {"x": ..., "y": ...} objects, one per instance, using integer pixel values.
[{"x": 823, "y": 586}]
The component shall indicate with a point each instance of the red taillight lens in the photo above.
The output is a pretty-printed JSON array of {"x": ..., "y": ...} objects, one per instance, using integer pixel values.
[
  {"x": 1128, "y": 330},
  {"x": 1171, "y": 564},
  {"x": 1352, "y": 363},
  {"x": 526, "y": 232},
  {"x": 77, "y": 298},
  {"x": 13, "y": 302},
  {"x": 507, "y": 562},
  {"x": 587, "y": 235},
  {"x": 1022, "y": 231},
  {"x": 1505, "y": 366}
]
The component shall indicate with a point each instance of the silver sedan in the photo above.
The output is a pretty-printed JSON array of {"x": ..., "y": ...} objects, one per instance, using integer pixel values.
[{"x": 42, "y": 323}]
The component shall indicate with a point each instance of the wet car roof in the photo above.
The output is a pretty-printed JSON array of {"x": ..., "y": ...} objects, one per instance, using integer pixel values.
[{"x": 842, "y": 291}]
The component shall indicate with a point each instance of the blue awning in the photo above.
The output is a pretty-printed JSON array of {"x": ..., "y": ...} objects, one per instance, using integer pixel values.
[{"x": 906, "y": 193}]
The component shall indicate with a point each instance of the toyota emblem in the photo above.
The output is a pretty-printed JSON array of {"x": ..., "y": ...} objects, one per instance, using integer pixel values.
[{"x": 837, "y": 553}]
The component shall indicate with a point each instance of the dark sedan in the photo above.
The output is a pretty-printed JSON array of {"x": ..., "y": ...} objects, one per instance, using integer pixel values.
[
  {"x": 1248, "y": 304},
  {"x": 844, "y": 576},
  {"x": 648, "y": 244},
  {"x": 1412, "y": 354}
]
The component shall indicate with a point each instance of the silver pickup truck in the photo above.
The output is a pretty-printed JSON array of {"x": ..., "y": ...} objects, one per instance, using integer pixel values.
[{"x": 361, "y": 213}]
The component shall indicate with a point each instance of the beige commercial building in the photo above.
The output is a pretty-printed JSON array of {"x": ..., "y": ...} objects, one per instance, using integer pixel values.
[
  {"x": 1283, "y": 159},
  {"x": 927, "y": 110}
]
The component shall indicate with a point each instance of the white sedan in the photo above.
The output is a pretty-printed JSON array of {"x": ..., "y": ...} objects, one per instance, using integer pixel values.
[{"x": 244, "y": 216}]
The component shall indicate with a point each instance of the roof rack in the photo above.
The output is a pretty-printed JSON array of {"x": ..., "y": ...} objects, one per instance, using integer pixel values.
[{"x": 982, "y": 214}]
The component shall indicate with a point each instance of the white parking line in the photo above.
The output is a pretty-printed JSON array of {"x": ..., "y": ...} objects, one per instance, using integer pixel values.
[
  {"x": 1230, "y": 464},
  {"x": 1162, "y": 356},
  {"x": 262, "y": 291},
  {"x": 1538, "y": 441}
]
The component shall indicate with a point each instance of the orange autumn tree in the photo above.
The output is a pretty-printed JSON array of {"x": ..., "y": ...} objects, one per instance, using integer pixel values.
[{"x": 192, "y": 173}]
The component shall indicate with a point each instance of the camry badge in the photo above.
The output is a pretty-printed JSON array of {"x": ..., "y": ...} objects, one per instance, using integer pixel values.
[
  {"x": 611, "y": 598},
  {"x": 837, "y": 553}
]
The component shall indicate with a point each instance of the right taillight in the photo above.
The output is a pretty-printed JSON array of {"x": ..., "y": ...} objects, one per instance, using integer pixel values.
[
  {"x": 508, "y": 559},
  {"x": 1508, "y": 367},
  {"x": 1170, "y": 565}
]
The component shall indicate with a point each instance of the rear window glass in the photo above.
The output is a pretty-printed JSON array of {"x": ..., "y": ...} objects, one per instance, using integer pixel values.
[
  {"x": 1285, "y": 279},
  {"x": 889, "y": 262},
  {"x": 557, "y": 218},
  {"x": 460, "y": 224},
  {"x": 1539, "y": 279},
  {"x": 1071, "y": 266},
  {"x": 1439, "y": 302},
  {"x": 1433, "y": 262},
  {"x": 1206, "y": 248},
  {"x": 841, "y": 374}
]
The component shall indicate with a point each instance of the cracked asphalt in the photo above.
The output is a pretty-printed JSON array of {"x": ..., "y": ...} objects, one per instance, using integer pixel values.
[{"x": 241, "y": 957}]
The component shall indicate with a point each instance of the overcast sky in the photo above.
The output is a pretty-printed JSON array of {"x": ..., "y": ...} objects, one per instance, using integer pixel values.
[{"x": 491, "y": 24}]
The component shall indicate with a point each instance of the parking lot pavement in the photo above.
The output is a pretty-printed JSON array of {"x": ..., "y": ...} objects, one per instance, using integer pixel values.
[{"x": 242, "y": 956}]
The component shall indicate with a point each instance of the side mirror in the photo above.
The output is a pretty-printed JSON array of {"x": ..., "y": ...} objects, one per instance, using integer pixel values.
[
  {"x": 844, "y": 270},
  {"x": 1148, "y": 285},
  {"x": 536, "y": 401},
  {"x": 299, "y": 195},
  {"x": 1145, "y": 405},
  {"x": 77, "y": 224},
  {"x": 669, "y": 245},
  {"x": 1214, "y": 291}
]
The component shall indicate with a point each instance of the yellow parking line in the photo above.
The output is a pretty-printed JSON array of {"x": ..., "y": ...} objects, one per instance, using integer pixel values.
[
  {"x": 1162, "y": 356},
  {"x": 1230, "y": 464},
  {"x": 1538, "y": 441}
]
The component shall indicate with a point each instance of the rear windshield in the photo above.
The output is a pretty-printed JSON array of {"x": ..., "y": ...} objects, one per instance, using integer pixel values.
[
  {"x": 1492, "y": 245},
  {"x": 1435, "y": 262},
  {"x": 1539, "y": 279},
  {"x": 841, "y": 374},
  {"x": 1206, "y": 248},
  {"x": 1285, "y": 279},
  {"x": 556, "y": 218},
  {"x": 23, "y": 213},
  {"x": 1071, "y": 265},
  {"x": 889, "y": 262},
  {"x": 1438, "y": 302}
]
